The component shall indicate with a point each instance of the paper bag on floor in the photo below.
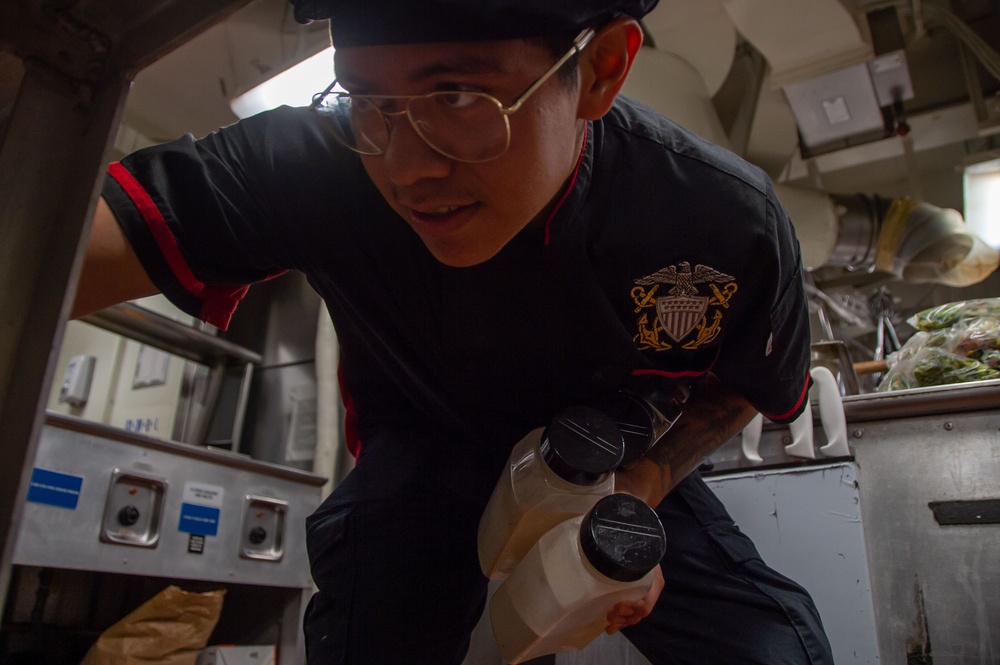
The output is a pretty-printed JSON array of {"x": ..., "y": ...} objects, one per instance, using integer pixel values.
[{"x": 168, "y": 629}]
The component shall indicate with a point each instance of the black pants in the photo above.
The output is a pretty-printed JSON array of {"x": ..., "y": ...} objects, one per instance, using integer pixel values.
[{"x": 394, "y": 558}]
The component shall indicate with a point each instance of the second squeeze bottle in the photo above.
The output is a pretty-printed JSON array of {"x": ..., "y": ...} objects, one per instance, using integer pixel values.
[
  {"x": 559, "y": 595},
  {"x": 553, "y": 473}
]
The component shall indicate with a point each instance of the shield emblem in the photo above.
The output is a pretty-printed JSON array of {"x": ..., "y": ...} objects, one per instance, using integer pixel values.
[{"x": 680, "y": 314}]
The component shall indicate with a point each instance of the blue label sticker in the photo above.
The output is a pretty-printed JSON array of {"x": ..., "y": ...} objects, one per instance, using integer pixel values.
[
  {"x": 54, "y": 488},
  {"x": 199, "y": 520}
]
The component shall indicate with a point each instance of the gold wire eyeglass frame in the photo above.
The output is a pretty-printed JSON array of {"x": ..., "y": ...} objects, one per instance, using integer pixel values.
[{"x": 377, "y": 101}]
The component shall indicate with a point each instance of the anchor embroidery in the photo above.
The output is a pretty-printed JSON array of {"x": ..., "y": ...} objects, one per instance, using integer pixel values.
[{"x": 683, "y": 310}]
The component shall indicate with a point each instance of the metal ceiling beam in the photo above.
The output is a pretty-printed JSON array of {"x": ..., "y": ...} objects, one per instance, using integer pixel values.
[{"x": 79, "y": 60}]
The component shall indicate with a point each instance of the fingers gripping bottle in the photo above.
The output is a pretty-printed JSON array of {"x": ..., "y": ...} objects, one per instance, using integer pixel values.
[
  {"x": 559, "y": 595},
  {"x": 553, "y": 473}
]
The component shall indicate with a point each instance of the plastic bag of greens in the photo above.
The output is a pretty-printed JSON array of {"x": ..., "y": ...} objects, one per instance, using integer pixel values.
[
  {"x": 945, "y": 316},
  {"x": 968, "y": 350}
]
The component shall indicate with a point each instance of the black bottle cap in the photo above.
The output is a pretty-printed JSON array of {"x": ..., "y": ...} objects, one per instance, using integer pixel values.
[
  {"x": 634, "y": 419},
  {"x": 667, "y": 395},
  {"x": 622, "y": 537},
  {"x": 582, "y": 445}
]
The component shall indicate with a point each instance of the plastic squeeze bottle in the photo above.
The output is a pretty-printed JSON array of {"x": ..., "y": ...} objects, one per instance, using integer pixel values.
[
  {"x": 558, "y": 596},
  {"x": 552, "y": 474}
]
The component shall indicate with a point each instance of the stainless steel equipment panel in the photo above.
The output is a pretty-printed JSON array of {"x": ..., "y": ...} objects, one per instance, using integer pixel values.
[
  {"x": 934, "y": 584},
  {"x": 928, "y": 475},
  {"x": 106, "y": 500}
]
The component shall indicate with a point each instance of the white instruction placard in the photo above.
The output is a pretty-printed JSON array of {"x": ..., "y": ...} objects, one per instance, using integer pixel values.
[{"x": 203, "y": 495}]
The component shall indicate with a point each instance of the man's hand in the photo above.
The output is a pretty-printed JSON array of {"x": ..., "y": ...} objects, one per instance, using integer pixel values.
[
  {"x": 646, "y": 480},
  {"x": 629, "y": 614}
]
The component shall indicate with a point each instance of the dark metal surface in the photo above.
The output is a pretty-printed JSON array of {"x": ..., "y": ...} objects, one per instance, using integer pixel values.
[
  {"x": 932, "y": 584},
  {"x": 79, "y": 58},
  {"x": 46, "y": 205},
  {"x": 984, "y": 511}
]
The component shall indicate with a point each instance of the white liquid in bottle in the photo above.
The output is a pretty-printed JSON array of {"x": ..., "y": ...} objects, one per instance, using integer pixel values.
[
  {"x": 558, "y": 597},
  {"x": 552, "y": 474}
]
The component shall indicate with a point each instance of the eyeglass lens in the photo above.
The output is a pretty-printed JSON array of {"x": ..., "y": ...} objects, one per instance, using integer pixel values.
[{"x": 461, "y": 125}]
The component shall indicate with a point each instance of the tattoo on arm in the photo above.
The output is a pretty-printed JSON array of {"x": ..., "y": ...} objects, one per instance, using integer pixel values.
[{"x": 712, "y": 416}]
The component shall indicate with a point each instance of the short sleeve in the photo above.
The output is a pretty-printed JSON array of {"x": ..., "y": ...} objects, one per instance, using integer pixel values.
[
  {"x": 209, "y": 217},
  {"x": 766, "y": 356}
]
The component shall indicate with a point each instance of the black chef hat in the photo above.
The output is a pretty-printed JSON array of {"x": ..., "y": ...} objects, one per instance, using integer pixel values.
[{"x": 373, "y": 22}]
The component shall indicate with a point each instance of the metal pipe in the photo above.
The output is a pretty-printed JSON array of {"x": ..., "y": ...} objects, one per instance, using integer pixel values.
[{"x": 860, "y": 219}]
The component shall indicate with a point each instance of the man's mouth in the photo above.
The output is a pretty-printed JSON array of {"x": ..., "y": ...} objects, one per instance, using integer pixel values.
[
  {"x": 439, "y": 211},
  {"x": 441, "y": 220}
]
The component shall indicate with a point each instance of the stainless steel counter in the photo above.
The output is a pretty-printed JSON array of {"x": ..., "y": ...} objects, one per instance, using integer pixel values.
[{"x": 928, "y": 480}]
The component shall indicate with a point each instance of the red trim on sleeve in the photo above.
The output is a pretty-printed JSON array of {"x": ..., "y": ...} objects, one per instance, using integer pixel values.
[
  {"x": 679, "y": 375},
  {"x": 351, "y": 438},
  {"x": 569, "y": 187},
  {"x": 802, "y": 397},
  {"x": 218, "y": 302},
  {"x": 670, "y": 375}
]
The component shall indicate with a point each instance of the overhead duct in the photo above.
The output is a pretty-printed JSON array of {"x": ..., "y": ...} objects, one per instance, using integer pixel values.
[
  {"x": 700, "y": 32},
  {"x": 913, "y": 240},
  {"x": 669, "y": 84},
  {"x": 800, "y": 38},
  {"x": 819, "y": 58},
  {"x": 804, "y": 43}
]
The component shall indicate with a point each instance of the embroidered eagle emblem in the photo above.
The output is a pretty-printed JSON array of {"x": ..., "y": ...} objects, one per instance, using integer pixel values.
[
  {"x": 683, "y": 310},
  {"x": 684, "y": 280}
]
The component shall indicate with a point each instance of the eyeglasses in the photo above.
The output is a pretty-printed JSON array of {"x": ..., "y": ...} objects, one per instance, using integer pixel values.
[{"x": 462, "y": 125}]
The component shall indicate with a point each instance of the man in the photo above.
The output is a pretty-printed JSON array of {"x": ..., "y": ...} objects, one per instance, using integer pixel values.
[{"x": 497, "y": 236}]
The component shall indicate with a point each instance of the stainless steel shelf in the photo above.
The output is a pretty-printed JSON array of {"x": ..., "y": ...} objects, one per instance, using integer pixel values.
[{"x": 164, "y": 333}]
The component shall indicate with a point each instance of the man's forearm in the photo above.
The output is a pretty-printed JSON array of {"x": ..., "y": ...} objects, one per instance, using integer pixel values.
[{"x": 712, "y": 416}]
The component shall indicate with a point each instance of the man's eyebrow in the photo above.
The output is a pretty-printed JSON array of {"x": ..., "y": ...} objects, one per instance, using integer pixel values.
[{"x": 459, "y": 65}]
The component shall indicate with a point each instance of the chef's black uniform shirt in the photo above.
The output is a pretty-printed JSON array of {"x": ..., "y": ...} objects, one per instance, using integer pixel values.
[{"x": 666, "y": 254}]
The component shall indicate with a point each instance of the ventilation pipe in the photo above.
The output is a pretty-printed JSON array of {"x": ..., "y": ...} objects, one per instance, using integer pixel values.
[
  {"x": 913, "y": 240},
  {"x": 800, "y": 38},
  {"x": 669, "y": 84},
  {"x": 700, "y": 32}
]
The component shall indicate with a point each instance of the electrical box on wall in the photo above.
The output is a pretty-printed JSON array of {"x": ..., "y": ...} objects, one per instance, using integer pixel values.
[{"x": 75, "y": 389}]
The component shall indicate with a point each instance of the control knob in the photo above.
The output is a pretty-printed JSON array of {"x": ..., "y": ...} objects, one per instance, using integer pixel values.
[{"x": 128, "y": 515}]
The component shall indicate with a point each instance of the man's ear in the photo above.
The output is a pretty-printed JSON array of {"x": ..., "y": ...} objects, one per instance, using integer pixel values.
[{"x": 604, "y": 64}]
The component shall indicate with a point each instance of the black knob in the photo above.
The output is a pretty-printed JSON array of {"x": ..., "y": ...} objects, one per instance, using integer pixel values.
[
  {"x": 128, "y": 515},
  {"x": 257, "y": 535}
]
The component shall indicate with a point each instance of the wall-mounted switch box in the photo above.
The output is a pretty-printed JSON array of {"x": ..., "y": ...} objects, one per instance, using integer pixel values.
[
  {"x": 263, "y": 530},
  {"x": 134, "y": 509},
  {"x": 76, "y": 381}
]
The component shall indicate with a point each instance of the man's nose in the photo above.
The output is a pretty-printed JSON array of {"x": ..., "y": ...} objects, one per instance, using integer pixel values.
[{"x": 408, "y": 157}]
